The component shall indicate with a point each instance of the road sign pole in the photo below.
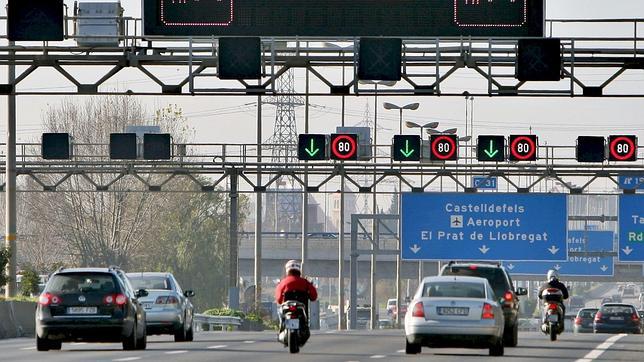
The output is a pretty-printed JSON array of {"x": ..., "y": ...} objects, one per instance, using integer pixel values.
[
  {"x": 305, "y": 194},
  {"x": 353, "y": 273},
  {"x": 233, "y": 292},
  {"x": 258, "y": 213},
  {"x": 341, "y": 317},
  {"x": 10, "y": 194}
]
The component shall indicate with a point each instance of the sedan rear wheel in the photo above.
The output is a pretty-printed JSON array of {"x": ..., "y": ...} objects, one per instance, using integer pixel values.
[
  {"x": 497, "y": 349},
  {"x": 129, "y": 342},
  {"x": 42, "y": 344},
  {"x": 511, "y": 338},
  {"x": 190, "y": 334},
  {"x": 180, "y": 334},
  {"x": 412, "y": 348}
]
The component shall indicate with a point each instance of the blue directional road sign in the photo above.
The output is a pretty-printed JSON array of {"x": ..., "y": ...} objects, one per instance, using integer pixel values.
[
  {"x": 576, "y": 265},
  {"x": 631, "y": 228},
  {"x": 493, "y": 226},
  {"x": 485, "y": 183},
  {"x": 630, "y": 182}
]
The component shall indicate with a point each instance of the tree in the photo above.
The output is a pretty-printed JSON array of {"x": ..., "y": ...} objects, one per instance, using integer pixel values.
[
  {"x": 29, "y": 282},
  {"x": 4, "y": 260}
]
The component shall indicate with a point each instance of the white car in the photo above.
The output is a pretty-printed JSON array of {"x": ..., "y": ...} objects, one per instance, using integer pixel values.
[{"x": 457, "y": 312}]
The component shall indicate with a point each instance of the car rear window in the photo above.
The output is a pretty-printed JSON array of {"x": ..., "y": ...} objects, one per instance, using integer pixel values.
[
  {"x": 73, "y": 283},
  {"x": 495, "y": 276},
  {"x": 150, "y": 282},
  {"x": 454, "y": 290},
  {"x": 616, "y": 309},
  {"x": 587, "y": 313}
]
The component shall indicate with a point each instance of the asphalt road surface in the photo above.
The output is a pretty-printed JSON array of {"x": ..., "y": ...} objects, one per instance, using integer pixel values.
[{"x": 387, "y": 345}]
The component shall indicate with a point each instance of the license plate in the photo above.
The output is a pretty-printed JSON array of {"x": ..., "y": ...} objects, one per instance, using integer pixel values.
[
  {"x": 553, "y": 318},
  {"x": 147, "y": 305},
  {"x": 292, "y": 324},
  {"x": 616, "y": 318},
  {"x": 453, "y": 311},
  {"x": 81, "y": 310}
]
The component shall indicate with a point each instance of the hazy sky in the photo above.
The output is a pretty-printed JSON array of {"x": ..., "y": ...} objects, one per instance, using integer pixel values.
[{"x": 233, "y": 119}]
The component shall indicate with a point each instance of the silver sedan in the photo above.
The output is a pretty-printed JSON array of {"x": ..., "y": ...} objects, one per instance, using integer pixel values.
[
  {"x": 454, "y": 311},
  {"x": 167, "y": 307}
]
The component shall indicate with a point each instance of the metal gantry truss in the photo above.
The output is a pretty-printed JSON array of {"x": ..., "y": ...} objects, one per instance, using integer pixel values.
[
  {"x": 214, "y": 168},
  {"x": 426, "y": 65}
]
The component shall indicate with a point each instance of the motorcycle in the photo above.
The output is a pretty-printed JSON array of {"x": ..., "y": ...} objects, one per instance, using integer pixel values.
[
  {"x": 552, "y": 321},
  {"x": 294, "y": 325}
]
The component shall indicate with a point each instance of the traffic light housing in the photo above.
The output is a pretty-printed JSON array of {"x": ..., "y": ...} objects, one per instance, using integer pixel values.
[
  {"x": 157, "y": 146},
  {"x": 490, "y": 148},
  {"x": 539, "y": 59},
  {"x": 311, "y": 147},
  {"x": 406, "y": 148},
  {"x": 443, "y": 147},
  {"x": 380, "y": 59},
  {"x": 123, "y": 146},
  {"x": 56, "y": 146},
  {"x": 344, "y": 146},
  {"x": 622, "y": 148},
  {"x": 590, "y": 149}
]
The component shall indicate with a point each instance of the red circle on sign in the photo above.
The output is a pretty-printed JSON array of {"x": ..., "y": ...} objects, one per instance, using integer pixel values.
[
  {"x": 614, "y": 152},
  {"x": 518, "y": 156},
  {"x": 337, "y": 153},
  {"x": 446, "y": 156}
]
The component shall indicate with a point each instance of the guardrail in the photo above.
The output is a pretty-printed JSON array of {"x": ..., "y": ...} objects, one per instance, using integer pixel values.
[{"x": 218, "y": 321}]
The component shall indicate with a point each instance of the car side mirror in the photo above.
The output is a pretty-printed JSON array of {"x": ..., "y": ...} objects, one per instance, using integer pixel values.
[
  {"x": 189, "y": 293},
  {"x": 521, "y": 291},
  {"x": 141, "y": 293}
]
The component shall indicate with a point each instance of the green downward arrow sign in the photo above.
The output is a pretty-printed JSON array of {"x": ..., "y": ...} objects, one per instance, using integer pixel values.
[
  {"x": 491, "y": 151},
  {"x": 312, "y": 150},
  {"x": 407, "y": 152}
]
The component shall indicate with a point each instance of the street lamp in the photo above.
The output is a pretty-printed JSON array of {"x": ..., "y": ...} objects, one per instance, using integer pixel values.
[
  {"x": 410, "y": 106},
  {"x": 410, "y": 124},
  {"x": 447, "y": 131}
]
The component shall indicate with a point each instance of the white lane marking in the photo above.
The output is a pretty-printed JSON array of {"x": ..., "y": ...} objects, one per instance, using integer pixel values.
[
  {"x": 126, "y": 359},
  {"x": 218, "y": 346},
  {"x": 400, "y": 351},
  {"x": 377, "y": 356},
  {"x": 599, "y": 350},
  {"x": 78, "y": 343},
  {"x": 177, "y": 352},
  {"x": 249, "y": 342},
  {"x": 27, "y": 348}
]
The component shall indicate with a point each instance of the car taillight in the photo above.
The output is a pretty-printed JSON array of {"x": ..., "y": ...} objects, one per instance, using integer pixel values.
[
  {"x": 635, "y": 318},
  {"x": 419, "y": 310},
  {"x": 488, "y": 311},
  {"x": 48, "y": 299},
  {"x": 598, "y": 316},
  {"x": 120, "y": 299},
  {"x": 552, "y": 306},
  {"x": 578, "y": 321},
  {"x": 292, "y": 308},
  {"x": 508, "y": 296},
  {"x": 108, "y": 299},
  {"x": 472, "y": 267}
]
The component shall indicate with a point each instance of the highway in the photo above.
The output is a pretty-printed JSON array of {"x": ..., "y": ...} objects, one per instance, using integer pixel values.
[{"x": 342, "y": 346}]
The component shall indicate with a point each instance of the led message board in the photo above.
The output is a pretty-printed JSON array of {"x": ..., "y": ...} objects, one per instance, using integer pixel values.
[{"x": 399, "y": 18}]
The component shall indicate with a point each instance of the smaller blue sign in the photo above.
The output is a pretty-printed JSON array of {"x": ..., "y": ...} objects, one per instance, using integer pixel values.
[
  {"x": 485, "y": 183},
  {"x": 631, "y": 228},
  {"x": 578, "y": 241},
  {"x": 631, "y": 182}
]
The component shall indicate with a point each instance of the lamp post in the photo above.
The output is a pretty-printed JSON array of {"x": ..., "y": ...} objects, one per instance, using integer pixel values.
[{"x": 410, "y": 106}]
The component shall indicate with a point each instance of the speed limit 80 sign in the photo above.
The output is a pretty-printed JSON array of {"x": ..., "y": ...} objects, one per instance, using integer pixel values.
[
  {"x": 622, "y": 148},
  {"x": 444, "y": 147},
  {"x": 523, "y": 147},
  {"x": 344, "y": 147}
]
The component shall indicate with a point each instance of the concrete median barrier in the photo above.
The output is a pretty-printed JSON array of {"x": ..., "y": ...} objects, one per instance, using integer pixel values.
[{"x": 17, "y": 319}]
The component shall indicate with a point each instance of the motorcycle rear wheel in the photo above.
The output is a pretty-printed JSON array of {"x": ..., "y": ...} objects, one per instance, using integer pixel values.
[
  {"x": 293, "y": 342},
  {"x": 553, "y": 332}
]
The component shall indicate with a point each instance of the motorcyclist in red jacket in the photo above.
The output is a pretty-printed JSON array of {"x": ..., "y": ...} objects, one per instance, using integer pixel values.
[
  {"x": 294, "y": 285},
  {"x": 293, "y": 282}
]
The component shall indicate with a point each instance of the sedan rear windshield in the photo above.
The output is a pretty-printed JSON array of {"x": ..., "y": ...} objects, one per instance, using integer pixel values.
[
  {"x": 617, "y": 310},
  {"x": 454, "y": 290},
  {"x": 150, "y": 282},
  {"x": 75, "y": 283},
  {"x": 587, "y": 313}
]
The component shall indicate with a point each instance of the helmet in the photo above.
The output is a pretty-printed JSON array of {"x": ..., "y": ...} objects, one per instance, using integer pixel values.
[
  {"x": 552, "y": 275},
  {"x": 293, "y": 265}
]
